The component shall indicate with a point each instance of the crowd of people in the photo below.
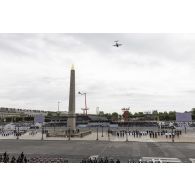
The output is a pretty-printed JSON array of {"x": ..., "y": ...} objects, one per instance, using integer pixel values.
[
  {"x": 6, "y": 133},
  {"x": 6, "y": 158},
  {"x": 21, "y": 158},
  {"x": 33, "y": 132},
  {"x": 100, "y": 160},
  {"x": 42, "y": 159},
  {"x": 138, "y": 124},
  {"x": 151, "y": 134},
  {"x": 184, "y": 124}
]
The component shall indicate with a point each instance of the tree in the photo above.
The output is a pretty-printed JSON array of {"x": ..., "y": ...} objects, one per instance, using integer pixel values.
[
  {"x": 155, "y": 112},
  {"x": 141, "y": 114},
  {"x": 115, "y": 116},
  {"x": 136, "y": 114},
  {"x": 166, "y": 116},
  {"x": 193, "y": 111},
  {"x": 155, "y": 115},
  {"x": 172, "y": 115},
  {"x": 29, "y": 118},
  {"x": 161, "y": 116},
  {"x": 18, "y": 119},
  {"x": 108, "y": 116},
  {"x": 50, "y": 114}
]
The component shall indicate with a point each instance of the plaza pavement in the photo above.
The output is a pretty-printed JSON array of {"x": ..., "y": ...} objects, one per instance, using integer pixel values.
[
  {"x": 115, "y": 147},
  {"x": 185, "y": 137}
]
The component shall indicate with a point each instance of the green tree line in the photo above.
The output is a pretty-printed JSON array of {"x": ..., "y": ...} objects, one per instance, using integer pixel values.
[{"x": 162, "y": 116}]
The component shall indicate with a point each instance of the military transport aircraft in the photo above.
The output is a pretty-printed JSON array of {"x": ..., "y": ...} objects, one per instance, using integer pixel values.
[{"x": 116, "y": 44}]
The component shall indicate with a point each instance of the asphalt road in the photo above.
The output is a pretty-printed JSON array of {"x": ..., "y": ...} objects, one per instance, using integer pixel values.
[{"x": 75, "y": 151}]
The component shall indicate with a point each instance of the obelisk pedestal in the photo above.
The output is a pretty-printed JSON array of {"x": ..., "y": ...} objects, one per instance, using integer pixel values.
[{"x": 71, "y": 122}]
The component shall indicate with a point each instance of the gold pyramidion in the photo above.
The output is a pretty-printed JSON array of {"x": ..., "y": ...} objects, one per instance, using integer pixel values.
[{"x": 72, "y": 67}]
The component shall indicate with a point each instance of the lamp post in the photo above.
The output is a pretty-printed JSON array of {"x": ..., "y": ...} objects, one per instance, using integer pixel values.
[
  {"x": 185, "y": 128},
  {"x": 126, "y": 136},
  {"x": 172, "y": 134},
  {"x": 17, "y": 132},
  {"x": 59, "y": 106},
  {"x": 85, "y": 108},
  {"x": 69, "y": 134},
  {"x": 42, "y": 132},
  {"x": 108, "y": 133},
  {"x": 54, "y": 127},
  {"x": 1, "y": 123},
  {"x": 4, "y": 121},
  {"x": 97, "y": 132}
]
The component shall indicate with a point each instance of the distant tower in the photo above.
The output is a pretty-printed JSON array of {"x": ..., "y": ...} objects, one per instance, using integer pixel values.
[
  {"x": 71, "y": 122},
  {"x": 125, "y": 113},
  {"x": 97, "y": 110}
]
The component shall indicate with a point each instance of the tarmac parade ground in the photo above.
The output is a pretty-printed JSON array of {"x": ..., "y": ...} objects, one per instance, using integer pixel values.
[{"x": 76, "y": 150}]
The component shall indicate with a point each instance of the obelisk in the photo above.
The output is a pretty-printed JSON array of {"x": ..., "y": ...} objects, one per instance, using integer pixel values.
[{"x": 71, "y": 122}]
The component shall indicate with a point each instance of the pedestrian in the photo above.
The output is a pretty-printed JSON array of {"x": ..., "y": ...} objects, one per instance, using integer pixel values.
[
  {"x": 101, "y": 160},
  {"x": 4, "y": 155},
  {"x": 25, "y": 159},
  {"x": 111, "y": 161},
  {"x": 95, "y": 160},
  {"x": 22, "y": 155},
  {"x": 13, "y": 160},
  {"x": 18, "y": 160}
]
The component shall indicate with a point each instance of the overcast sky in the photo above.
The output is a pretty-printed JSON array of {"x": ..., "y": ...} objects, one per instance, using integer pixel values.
[{"x": 149, "y": 72}]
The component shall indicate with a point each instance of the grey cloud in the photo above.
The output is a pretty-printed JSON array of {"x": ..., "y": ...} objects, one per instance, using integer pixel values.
[
  {"x": 170, "y": 46},
  {"x": 190, "y": 92},
  {"x": 18, "y": 44},
  {"x": 32, "y": 93},
  {"x": 140, "y": 95},
  {"x": 173, "y": 47}
]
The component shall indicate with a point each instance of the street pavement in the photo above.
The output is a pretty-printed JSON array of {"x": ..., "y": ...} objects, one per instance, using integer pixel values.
[{"x": 76, "y": 150}]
